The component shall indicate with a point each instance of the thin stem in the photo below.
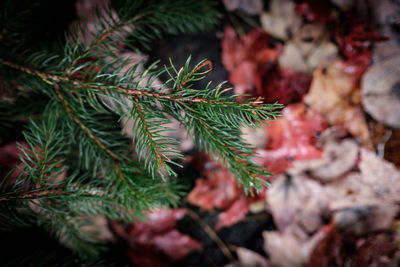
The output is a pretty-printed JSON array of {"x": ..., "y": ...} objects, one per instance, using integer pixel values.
[
  {"x": 149, "y": 134},
  {"x": 37, "y": 194},
  {"x": 211, "y": 233},
  {"x": 205, "y": 63},
  {"x": 114, "y": 158},
  {"x": 81, "y": 125},
  {"x": 47, "y": 77}
]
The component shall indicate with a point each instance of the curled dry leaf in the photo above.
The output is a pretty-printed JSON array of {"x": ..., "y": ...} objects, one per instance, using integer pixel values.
[
  {"x": 220, "y": 191},
  {"x": 9, "y": 159},
  {"x": 380, "y": 175},
  {"x": 296, "y": 200},
  {"x": 86, "y": 17},
  {"x": 231, "y": 5},
  {"x": 367, "y": 201},
  {"x": 320, "y": 54},
  {"x": 385, "y": 16},
  {"x": 365, "y": 218},
  {"x": 285, "y": 250},
  {"x": 338, "y": 159},
  {"x": 256, "y": 137},
  {"x": 281, "y": 21},
  {"x": 332, "y": 94},
  {"x": 381, "y": 91}
]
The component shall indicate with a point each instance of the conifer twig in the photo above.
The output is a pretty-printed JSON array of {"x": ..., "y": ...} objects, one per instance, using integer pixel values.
[
  {"x": 114, "y": 158},
  {"x": 45, "y": 193},
  {"x": 133, "y": 92}
]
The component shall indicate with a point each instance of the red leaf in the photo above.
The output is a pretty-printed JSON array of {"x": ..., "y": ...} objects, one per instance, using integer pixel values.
[
  {"x": 283, "y": 85},
  {"x": 315, "y": 11},
  {"x": 157, "y": 242},
  {"x": 252, "y": 63},
  {"x": 219, "y": 190},
  {"x": 354, "y": 39},
  {"x": 292, "y": 137},
  {"x": 176, "y": 245},
  {"x": 233, "y": 49},
  {"x": 9, "y": 158},
  {"x": 235, "y": 213}
]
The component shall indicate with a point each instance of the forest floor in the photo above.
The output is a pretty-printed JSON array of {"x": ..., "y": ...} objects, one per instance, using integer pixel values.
[{"x": 334, "y": 153}]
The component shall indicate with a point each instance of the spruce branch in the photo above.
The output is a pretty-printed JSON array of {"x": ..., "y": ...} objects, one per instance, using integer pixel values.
[{"x": 78, "y": 162}]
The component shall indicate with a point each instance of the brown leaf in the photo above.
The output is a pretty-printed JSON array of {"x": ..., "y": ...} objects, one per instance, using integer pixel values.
[
  {"x": 256, "y": 137},
  {"x": 331, "y": 94},
  {"x": 309, "y": 48},
  {"x": 343, "y": 249},
  {"x": 281, "y": 20}
]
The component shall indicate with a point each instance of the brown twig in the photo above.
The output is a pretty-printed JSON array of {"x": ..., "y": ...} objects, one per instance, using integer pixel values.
[
  {"x": 42, "y": 193},
  {"x": 211, "y": 233},
  {"x": 113, "y": 157},
  {"x": 159, "y": 155},
  {"x": 81, "y": 125},
  {"x": 127, "y": 91},
  {"x": 205, "y": 63},
  {"x": 43, "y": 75}
]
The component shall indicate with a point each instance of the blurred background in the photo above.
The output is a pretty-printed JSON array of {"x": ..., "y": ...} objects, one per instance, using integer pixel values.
[{"x": 334, "y": 198}]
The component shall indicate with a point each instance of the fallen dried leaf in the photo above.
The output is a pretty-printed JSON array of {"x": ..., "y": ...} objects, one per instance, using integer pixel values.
[
  {"x": 380, "y": 91},
  {"x": 256, "y": 137},
  {"x": 291, "y": 137},
  {"x": 296, "y": 200},
  {"x": 235, "y": 213},
  {"x": 281, "y": 20},
  {"x": 286, "y": 250},
  {"x": 367, "y": 201},
  {"x": 252, "y": 63},
  {"x": 339, "y": 249},
  {"x": 156, "y": 242},
  {"x": 354, "y": 39},
  {"x": 331, "y": 94},
  {"x": 338, "y": 159},
  {"x": 315, "y": 11},
  {"x": 218, "y": 190}
]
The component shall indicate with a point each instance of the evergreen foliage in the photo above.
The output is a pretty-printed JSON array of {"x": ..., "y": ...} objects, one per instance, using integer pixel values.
[{"x": 72, "y": 92}]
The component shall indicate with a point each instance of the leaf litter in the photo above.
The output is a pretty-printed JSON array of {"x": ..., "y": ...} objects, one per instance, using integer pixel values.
[{"x": 334, "y": 197}]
